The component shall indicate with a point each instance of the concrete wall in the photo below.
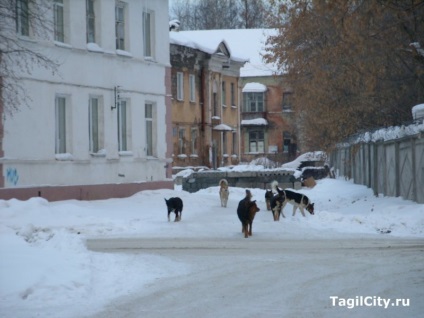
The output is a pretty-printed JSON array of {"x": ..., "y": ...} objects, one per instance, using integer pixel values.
[{"x": 248, "y": 180}]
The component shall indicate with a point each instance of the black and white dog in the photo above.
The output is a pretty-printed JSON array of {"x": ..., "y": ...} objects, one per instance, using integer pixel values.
[
  {"x": 174, "y": 205},
  {"x": 298, "y": 200}
]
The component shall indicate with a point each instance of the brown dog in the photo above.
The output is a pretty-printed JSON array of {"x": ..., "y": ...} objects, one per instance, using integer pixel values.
[{"x": 246, "y": 212}]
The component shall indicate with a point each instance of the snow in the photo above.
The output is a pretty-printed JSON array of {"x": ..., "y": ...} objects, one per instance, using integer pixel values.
[
  {"x": 46, "y": 267},
  {"x": 390, "y": 133},
  {"x": 244, "y": 45},
  {"x": 418, "y": 111},
  {"x": 223, "y": 127},
  {"x": 255, "y": 122},
  {"x": 254, "y": 87},
  {"x": 308, "y": 156}
]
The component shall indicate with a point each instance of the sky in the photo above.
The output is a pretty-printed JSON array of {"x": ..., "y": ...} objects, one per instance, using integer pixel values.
[{"x": 46, "y": 267}]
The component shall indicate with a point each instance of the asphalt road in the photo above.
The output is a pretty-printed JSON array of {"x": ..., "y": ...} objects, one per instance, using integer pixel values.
[{"x": 268, "y": 278}]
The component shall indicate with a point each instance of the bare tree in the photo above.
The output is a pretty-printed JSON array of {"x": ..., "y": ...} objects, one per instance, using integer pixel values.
[
  {"x": 220, "y": 14},
  {"x": 20, "y": 23}
]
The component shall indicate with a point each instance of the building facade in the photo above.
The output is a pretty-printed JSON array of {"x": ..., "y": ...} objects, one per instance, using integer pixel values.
[
  {"x": 102, "y": 118},
  {"x": 205, "y": 102},
  {"x": 267, "y": 122}
]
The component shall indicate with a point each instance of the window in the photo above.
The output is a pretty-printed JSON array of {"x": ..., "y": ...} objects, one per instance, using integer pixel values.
[
  {"x": 192, "y": 81},
  {"x": 287, "y": 101},
  {"x": 22, "y": 17},
  {"x": 59, "y": 28},
  {"x": 233, "y": 95},
  {"x": 95, "y": 125},
  {"x": 149, "y": 115},
  {"x": 256, "y": 141},
  {"x": 253, "y": 102},
  {"x": 215, "y": 104},
  {"x": 194, "y": 138},
  {"x": 148, "y": 35},
  {"x": 286, "y": 141},
  {"x": 180, "y": 86},
  {"x": 91, "y": 22},
  {"x": 181, "y": 139},
  {"x": 234, "y": 150},
  {"x": 224, "y": 143},
  {"x": 124, "y": 128},
  {"x": 223, "y": 94},
  {"x": 120, "y": 25},
  {"x": 61, "y": 125}
]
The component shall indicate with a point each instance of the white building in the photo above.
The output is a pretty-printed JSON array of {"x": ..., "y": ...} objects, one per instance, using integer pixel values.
[{"x": 102, "y": 119}]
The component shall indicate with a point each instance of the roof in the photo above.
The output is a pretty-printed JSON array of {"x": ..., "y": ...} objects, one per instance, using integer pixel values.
[{"x": 243, "y": 45}]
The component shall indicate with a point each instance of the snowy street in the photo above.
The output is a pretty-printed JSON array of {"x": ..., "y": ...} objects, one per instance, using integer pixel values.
[
  {"x": 122, "y": 258},
  {"x": 275, "y": 278}
]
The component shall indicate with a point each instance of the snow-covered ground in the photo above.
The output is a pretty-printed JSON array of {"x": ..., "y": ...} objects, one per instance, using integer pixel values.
[{"x": 46, "y": 269}]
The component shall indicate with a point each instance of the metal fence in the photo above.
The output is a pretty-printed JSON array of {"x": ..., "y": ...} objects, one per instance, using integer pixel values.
[{"x": 392, "y": 168}]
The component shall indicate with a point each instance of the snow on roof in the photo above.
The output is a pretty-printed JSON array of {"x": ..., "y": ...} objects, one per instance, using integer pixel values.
[
  {"x": 209, "y": 45},
  {"x": 222, "y": 127},
  {"x": 254, "y": 87},
  {"x": 244, "y": 44},
  {"x": 255, "y": 122},
  {"x": 418, "y": 111}
]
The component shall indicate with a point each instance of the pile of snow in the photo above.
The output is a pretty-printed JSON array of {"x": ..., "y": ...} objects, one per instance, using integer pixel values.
[
  {"x": 46, "y": 269},
  {"x": 320, "y": 156}
]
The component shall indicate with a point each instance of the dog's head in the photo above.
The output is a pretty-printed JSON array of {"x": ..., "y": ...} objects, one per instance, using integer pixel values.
[
  {"x": 253, "y": 207},
  {"x": 281, "y": 194},
  {"x": 310, "y": 208}
]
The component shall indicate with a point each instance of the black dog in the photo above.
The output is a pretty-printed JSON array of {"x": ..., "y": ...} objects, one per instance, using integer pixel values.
[
  {"x": 176, "y": 205},
  {"x": 276, "y": 204}
]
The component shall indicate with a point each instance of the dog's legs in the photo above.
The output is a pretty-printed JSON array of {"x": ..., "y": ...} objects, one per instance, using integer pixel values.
[
  {"x": 245, "y": 230},
  {"x": 294, "y": 209},
  {"x": 169, "y": 218},
  {"x": 250, "y": 228},
  {"x": 302, "y": 211}
]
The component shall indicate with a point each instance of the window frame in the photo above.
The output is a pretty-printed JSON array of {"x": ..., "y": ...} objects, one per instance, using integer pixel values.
[
  {"x": 180, "y": 86},
  {"x": 96, "y": 124},
  {"x": 192, "y": 85},
  {"x": 59, "y": 20},
  {"x": 150, "y": 119},
  {"x": 90, "y": 21},
  {"x": 148, "y": 34},
  {"x": 256, "y": 102},
  {"x": 233, "y": 95},
  {"x": 223, "y": 94},
  {"x": 120, "y": 43},
  {"x": 22, "y": 17},
  {"x": 124, "y": 126},
  {"x": 258, "y": 140},
  {"x": 62, "y": 132}
]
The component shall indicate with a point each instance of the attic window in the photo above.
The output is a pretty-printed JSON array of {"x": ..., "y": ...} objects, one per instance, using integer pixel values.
[{"x": 222, "y": 49}]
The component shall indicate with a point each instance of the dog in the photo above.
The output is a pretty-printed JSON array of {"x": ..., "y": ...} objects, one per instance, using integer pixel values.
[
  {"x": 276, "y": 204},
  {"x": 246, "y": 212},
  {"x": 268, "y": 196},
  {"x": 223, "y": 192},
  {"x": 174, "y": 205},
  {"x": 298, "y": 200}
]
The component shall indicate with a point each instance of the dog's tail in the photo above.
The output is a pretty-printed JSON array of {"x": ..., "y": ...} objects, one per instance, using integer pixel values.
[
  {"x": 223, "y": 182},
  {"x": 274, "y": 186}
]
